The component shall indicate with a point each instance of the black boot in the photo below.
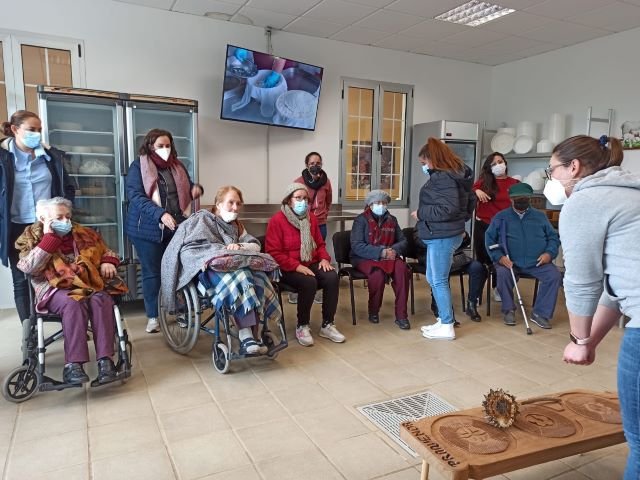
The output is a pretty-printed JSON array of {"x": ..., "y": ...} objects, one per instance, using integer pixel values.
[
  {"x": 472, "y": 311},
  {"x": 106, "y": 371}
]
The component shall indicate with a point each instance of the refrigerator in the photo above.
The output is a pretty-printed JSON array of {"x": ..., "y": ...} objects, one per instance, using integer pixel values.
[
  {"x": 101, "y": 133},
  {"x": 462, "y": 137}
]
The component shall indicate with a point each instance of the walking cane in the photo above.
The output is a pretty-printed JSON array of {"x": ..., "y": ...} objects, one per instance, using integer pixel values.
[{"x": 503, "y": 245}]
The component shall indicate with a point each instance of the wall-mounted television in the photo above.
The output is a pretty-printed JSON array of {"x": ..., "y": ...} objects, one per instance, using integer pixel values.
[{"x": 263, "y": 88}]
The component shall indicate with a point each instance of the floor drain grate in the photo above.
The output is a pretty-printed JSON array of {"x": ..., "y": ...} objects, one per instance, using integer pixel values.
[{"x": 389, "y": 414}]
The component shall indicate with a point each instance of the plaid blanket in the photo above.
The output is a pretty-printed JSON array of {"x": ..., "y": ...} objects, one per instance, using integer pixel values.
[{"x": 243, "y": 289}]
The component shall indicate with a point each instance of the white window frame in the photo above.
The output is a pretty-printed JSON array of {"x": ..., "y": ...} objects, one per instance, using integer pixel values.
[
  {"x": 12, "y": 42},
  {"x": 376, "y": 152}
]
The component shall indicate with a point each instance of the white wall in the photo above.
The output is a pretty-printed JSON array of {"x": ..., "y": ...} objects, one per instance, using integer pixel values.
[
  {"x": 598, "y": 73},
  {"x": 143, "y": 50}
]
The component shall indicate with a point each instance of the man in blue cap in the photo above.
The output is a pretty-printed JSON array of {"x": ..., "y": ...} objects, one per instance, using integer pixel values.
[{"x": 522, "y": 238}]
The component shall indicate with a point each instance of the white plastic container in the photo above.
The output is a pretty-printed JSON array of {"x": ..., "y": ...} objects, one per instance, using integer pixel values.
[
  {"x": 526, "y": 128},
  {"x": 544, "y": 146},
  {"x": 557, "y": 128}
]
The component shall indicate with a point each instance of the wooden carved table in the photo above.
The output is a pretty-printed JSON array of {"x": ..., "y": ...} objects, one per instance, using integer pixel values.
[{"x": 464, "y": 445}]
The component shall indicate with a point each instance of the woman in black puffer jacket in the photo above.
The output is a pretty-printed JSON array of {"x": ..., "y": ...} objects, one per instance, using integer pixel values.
[{"x": 446, "y": 203}]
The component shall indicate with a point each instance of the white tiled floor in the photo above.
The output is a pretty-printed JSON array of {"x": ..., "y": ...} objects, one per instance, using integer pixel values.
[{"x": 292, "y": 418}]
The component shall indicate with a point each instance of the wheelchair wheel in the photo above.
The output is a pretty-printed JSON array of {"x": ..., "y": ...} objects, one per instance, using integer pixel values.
[
  {"x": 181, "y": 328},
  {"x": 20, "y": 385},
  {"x": 220, "y": 356}
]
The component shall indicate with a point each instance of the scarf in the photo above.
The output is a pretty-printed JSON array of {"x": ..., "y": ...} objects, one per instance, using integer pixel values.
[
  {"x": 380, "y": 232},
  {"x": 307, "y": 245},
  {"x": 80, "y": 274},
  {"x": 229, "y": 232},
  {"x": 314, "y": 183},
  {"x": 149, "y": 172}
]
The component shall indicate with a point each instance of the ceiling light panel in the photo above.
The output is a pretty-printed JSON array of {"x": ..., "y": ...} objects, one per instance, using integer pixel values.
[{"x": 474, "y": 13}]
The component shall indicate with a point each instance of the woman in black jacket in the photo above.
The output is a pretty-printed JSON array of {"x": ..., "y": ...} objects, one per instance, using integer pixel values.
[
  {"x": 446, "y": 203},
  {"x": 29, "y": 171}
]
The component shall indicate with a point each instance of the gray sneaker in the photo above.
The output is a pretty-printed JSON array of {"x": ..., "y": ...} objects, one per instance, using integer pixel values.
[
  {"x": 540, "y": 321},
  {"x": 318, "y": 298},
  {"x": 509, "y": 318},
  {"x": 293, "y": 298}
]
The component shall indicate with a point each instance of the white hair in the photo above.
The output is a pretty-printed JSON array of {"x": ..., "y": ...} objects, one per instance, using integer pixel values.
[{"x": 43, "y": 205}]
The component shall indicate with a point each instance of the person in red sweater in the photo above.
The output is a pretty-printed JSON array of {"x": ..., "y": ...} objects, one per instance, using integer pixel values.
[
  {"x": 294, "y": 240},
  {"x": 492, "y": 190}
]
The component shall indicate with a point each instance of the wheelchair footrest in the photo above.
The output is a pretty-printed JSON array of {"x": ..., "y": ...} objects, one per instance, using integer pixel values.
[{"x": 49, "y": 384}]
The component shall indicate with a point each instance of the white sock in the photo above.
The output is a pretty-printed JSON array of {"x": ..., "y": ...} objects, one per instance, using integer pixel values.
[{"x": 245, "y": 333}]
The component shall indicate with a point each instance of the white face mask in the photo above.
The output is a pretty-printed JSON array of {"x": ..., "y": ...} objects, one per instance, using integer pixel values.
[
  {"x": 555, "y": 193},
  {"x": 163, "y": 153},
  {"x": 226, "y": 215},
  {"x": 499, "y": 169}
]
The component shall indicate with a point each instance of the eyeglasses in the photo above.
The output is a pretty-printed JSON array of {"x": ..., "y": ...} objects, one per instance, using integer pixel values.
[{"x": 550, "y": 169}]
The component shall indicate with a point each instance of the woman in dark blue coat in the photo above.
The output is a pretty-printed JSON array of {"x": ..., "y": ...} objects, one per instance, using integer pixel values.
[
  {"x": 446, "y": 203},
  {"x": 160, "y": 193},
  {"x": 29, "y": 171}
]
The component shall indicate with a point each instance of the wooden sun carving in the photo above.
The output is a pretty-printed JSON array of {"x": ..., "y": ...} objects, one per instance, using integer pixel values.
[{"x": 500, "y": 408}]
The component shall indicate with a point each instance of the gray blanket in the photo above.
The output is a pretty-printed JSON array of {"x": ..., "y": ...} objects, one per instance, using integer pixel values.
[{"x": 196, "y": 241}]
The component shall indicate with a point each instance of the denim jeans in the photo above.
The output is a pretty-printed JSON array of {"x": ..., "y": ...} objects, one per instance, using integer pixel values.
[
  {"x": 150, "y": 256},
  {"x": 629, "y": 394},
  {"x": 439, "y": 260}
]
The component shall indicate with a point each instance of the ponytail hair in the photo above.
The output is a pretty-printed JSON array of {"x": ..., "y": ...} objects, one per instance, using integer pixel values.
[
  {"x": 441, "y": 156},
  {"x": 594, "y": 154},
  {"x": 17, "y": 119}
]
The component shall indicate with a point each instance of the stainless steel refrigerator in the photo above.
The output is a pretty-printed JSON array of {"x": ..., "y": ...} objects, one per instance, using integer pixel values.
[
  {"x": 101, "y": 133},
  {"x": 462, "y": 137}
]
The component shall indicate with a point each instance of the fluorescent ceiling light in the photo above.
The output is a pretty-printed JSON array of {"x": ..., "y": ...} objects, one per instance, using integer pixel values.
[{"x": 474, "y": 13}]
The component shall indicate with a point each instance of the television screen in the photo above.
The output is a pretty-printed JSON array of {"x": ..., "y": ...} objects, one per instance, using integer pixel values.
[{"x": 262, "y": 88}]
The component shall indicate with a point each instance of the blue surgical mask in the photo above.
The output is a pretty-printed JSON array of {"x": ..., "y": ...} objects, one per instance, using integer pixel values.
[
  {"x": 299, "y": 207},
  {"x": 61, "y": 227},
  {"x": 378, "y": 209},
  {"x": 31, "y": 139},
  {"x": 425, "y": 170}
]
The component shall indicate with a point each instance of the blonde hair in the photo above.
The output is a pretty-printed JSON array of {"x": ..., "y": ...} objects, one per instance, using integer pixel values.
[{"x": 222, "y": 192}]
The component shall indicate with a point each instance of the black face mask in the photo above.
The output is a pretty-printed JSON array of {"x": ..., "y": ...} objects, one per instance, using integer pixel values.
[
  {"x": 315, "y": 169},
  {"x": 521, "y": 204}
]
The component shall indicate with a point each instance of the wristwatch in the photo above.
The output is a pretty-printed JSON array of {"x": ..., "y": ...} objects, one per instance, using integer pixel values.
[{"x": 579, "y": 341}]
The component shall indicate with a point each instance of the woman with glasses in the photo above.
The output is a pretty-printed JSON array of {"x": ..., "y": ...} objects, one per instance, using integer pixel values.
[
  {"x": 600, "y": 228},
  {"x": 293, "y": 239}
]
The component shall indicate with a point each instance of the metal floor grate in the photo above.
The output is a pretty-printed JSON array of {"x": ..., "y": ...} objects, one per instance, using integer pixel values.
[{"x": 389, "y": 414}]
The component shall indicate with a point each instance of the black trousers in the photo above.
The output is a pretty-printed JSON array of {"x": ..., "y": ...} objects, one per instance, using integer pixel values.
[
  {"x": 20, "y": 284},
  {"x": 306, "y": 287},
  {"x": 479, "y": 229}
]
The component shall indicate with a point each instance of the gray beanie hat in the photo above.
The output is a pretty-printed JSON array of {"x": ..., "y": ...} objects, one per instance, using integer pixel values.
[
  {"x": 292, "y": 187},
  {"x": 377, "y": 196}
]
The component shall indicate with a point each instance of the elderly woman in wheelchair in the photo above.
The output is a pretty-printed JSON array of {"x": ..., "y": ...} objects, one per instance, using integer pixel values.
[
  {"x": 234, "y": 278},
  {"x": 74, "y": 275}
]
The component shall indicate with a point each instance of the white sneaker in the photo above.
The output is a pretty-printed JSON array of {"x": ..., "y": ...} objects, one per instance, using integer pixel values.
[
  {"x": 332, "y": 333},
  {"x": 444, "y": 332},
  {"x": 496, "y": 295},
  {"x": 303, "y": 334},
  {"x": 426, "y": 328},
  {"x": 318, "y": 298},
  {"x": 152, "y": 326},
  {"x": 293, "y": 298}
]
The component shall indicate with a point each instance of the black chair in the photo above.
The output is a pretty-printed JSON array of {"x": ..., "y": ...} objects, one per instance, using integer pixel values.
[
  {"x": 342, "y": 252},
  {"x": 421, "y": 267}
]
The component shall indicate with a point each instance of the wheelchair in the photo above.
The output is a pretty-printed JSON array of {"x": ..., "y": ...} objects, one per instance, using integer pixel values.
[
  {"x": 24, "y": 381},
  {"x": 182, "y": 326}
]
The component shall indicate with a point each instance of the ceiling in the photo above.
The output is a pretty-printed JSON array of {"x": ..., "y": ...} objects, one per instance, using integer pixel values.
[{"x": 537, "y": 26}]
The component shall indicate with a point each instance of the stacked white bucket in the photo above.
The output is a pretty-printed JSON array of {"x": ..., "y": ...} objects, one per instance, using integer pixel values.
[
  {"x": 525, "y": 137},
  {"x": 557, "y": 133}
]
